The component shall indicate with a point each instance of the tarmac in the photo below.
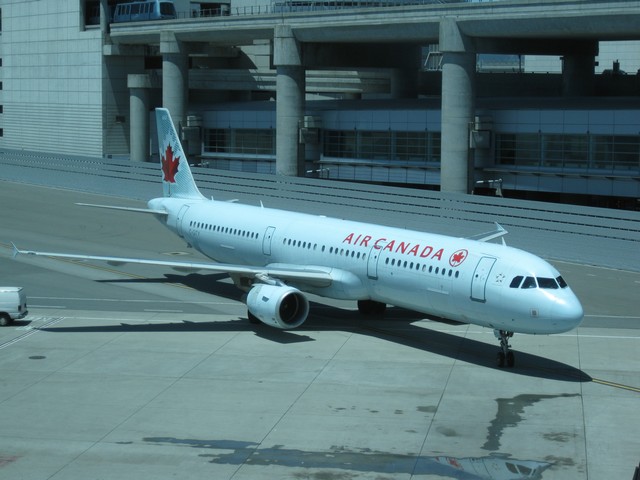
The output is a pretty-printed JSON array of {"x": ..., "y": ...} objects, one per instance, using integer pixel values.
[{"x": 138, "y": 372}]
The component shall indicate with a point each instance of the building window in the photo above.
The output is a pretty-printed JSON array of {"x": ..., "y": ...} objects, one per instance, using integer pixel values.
[
  {"x": 340, "y": 144},
  {"x": 565, "y": 150},
  {"x": 603, "y": 152},
  {"x": 90, "y": 11},
  {"x": 240, "y": 141},
  {"x": 521, "y": 149},
  {"x": 621, "y": 152},
  {"x": 403, "y": 147},
  {"x": 375, "y": 146},
  {"x": 411, "y": 146}
]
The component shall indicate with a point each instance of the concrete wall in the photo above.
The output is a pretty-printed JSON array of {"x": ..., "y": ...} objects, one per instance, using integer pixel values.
[{"x": 51, "y": 79}]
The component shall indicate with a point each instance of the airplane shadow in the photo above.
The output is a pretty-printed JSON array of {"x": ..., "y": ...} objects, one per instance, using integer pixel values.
[{"x": 397, "y": 325}]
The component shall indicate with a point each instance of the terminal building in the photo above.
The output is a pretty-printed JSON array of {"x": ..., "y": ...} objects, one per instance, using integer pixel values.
[{"x": 526, "y": 99}]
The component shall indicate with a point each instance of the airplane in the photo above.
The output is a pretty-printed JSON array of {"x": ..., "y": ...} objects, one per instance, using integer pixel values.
[{"x": 278, "y": 256}]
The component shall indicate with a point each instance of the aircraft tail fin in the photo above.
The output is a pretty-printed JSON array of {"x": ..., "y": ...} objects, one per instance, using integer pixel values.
[{"x": 177, "y": 180}]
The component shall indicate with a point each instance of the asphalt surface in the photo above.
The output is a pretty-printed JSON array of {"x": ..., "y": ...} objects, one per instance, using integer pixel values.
[{"x": 138, "y": 372}]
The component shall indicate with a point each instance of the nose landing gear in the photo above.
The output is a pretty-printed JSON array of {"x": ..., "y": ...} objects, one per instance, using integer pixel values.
[{"x": 505, "y": 355}]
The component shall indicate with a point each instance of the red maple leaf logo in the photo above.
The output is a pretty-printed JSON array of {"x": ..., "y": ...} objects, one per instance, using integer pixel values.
[
  {"x": 170, "y": 165},
  {"x": 458, "y": 257}
]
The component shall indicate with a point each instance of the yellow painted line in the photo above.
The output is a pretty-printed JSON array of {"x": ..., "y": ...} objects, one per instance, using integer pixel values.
[{"x": 616, "y": 385}]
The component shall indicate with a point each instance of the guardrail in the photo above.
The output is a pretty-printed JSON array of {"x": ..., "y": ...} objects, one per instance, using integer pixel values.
[
  {"x": 298, "y": 6},
  {"x": 310, "y": 6},
  {"x": 567, "y": 232}
]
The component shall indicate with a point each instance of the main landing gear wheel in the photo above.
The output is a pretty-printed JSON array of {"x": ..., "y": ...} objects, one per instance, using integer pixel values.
[
  {"x": 505, "y": 356},
  {"x": 371, "y": 307}
]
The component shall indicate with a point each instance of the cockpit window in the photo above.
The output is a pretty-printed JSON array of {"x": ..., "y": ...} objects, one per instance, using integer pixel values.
[
  {"x": 537, "y": 282},
  {"x": 547, "y": 282}
]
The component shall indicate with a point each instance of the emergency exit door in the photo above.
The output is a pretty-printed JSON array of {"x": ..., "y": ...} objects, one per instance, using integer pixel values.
[{"x": 480, "y": 278}]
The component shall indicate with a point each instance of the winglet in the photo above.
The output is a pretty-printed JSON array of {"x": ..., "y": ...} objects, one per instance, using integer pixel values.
[
  {"x": 485, "y": 237},
  {"x": 17, "y": 251}
]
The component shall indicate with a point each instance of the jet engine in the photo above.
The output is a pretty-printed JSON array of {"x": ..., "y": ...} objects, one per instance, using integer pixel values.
[{"x": 278, "y": 306}]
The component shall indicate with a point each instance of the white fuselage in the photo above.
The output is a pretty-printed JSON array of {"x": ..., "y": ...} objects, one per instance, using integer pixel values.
[{"x": 460, "y": 279}]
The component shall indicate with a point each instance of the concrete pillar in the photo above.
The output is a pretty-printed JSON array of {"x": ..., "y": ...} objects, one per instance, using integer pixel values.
[
  {"x": 104, "y": 17},
  {"x": 290, "y": 94},
  {"x": 139, "y": 86},
  {"x": 578, "y": 75},
  {"x": 458, "y": 105},
  {"x": 175, "y": 77}
]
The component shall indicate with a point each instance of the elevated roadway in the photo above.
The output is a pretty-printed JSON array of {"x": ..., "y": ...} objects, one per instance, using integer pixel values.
[
  {"x": 540, "y": 19},
  {"x": 393, "y": 36}
]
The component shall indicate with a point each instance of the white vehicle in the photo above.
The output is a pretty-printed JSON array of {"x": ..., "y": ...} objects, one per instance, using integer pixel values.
[
  {"x": 13, "y": 305},
  {"x": 277, "y": 255}
]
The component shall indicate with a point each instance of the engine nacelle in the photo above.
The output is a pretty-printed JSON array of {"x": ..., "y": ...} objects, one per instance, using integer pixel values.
[{"x": 278, "y": 306}]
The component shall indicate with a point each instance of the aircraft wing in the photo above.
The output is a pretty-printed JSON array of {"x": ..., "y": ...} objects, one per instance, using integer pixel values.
[
  {"x": 125, "y": 209},
  {"x": 318, "y": 276}
]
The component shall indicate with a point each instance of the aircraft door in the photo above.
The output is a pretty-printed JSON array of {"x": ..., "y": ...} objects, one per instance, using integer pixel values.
[
  {"x": 480, "y": 277},
  {"x": 372, "y": 262},
  {"x": 181, "y": 213},
  {"x": 266, "y": 241}
]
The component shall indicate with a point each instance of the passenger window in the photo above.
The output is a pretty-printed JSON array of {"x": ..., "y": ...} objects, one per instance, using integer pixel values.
[
  {"x": 515, "y": 283},
  {"x": 561, "y": 282},
  {"x": 547, "y": 283},
  {"x": 529, "y": 282}
]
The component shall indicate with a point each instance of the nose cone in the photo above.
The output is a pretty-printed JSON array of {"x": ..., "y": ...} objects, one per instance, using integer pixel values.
[{"x": 568, "y": 313}]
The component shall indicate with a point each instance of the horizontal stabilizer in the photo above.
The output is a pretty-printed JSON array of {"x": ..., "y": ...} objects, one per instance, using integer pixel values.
[{"x": 487, "y": 236}]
